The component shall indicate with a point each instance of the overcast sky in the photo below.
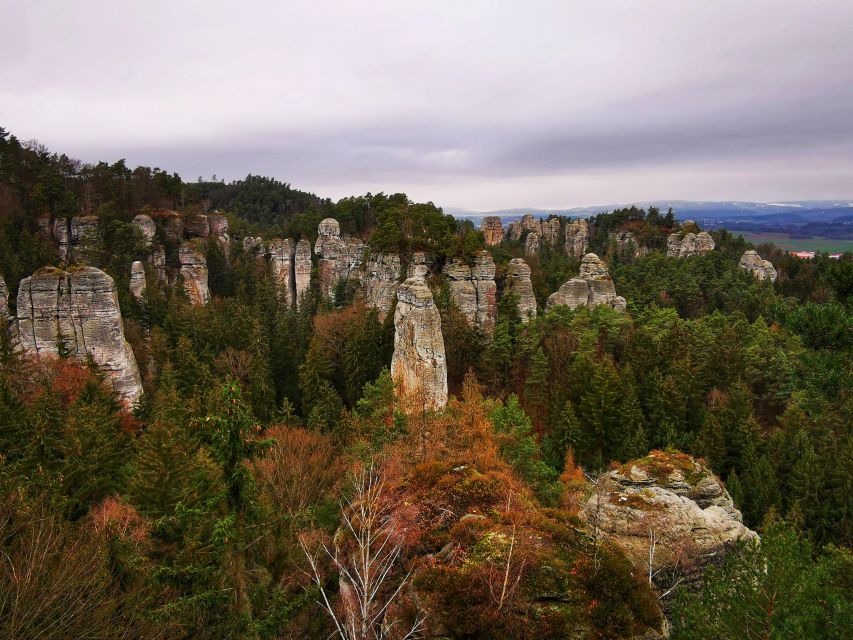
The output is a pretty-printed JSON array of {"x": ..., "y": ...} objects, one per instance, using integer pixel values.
[{"x": 481, "y": 105}]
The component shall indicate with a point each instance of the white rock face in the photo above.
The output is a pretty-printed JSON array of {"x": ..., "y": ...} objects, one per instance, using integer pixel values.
[
  {"x": 75, "y": 236},
  {"x": 341, "y": 258},
  {"x": 79, "y": 309},
  {"x": 592, "y": 287},
  {"x": 194, "y": 271},
  {"x": 757, "y": 266},
  {"x": 219, "y": 230},
  {"x": 302, "y": 269},
  {"x": 382, "y": 278},
  {"x": 419, "y": 365},
  {"x": 418, "y": 266},
  {"x": 518, "y": 282},
  {"x": 474, "y": 291},
  {"x": 146, "y": 227},
  {"x": 577, "y": 238},
  {"x": 282, "y": 264},
  {"x": 137, "y": 280}
]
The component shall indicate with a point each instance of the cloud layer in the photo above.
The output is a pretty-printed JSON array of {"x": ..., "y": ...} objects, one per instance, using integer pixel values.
[{"x": 473, "y": 104}]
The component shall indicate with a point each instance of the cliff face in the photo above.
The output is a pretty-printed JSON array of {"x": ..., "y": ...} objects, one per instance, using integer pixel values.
[
  {"x": 146, "y": 227},
  {"x": 381, "y": 281},
  {"x": 592, "y": 287},
  {"x": 531, "y": 244},
  {"x": 282, "y": 257},
  {"x": 674, "y": 500},
  {"x": 753, "y": 263},
  {"x": 72, "y": 235},
  {"x": 577, "y": 238},
  {"x": 518, "y": 282},
  {"x": 137, "y": 280},
  {"x": 4, "y": 303},
  {"x": 492, "y": 229},
  {"x": 474, "y": 291},
  {"x": 78, "y": 309},
  {"x": 419, "y": 365},
  {"x": 340, "y": 256},
  {"x": 683, "y": 245},
  {"x": 194, "y": 272},
  {"x": 302, "y": 269}
]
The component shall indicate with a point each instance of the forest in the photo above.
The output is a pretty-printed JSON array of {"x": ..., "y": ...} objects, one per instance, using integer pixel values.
[{"x": 274, "y": 481}]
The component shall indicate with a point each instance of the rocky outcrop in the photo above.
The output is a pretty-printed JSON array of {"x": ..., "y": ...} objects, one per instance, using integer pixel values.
[
  {"x": 75, "y": 237},
  {"x": 419, "y": 365},
  {"x": 302, "y": 269},
  {"x": 381, "y": 281},
  {"x": 146, "y": 227},
  {"x": 675, "y": 499},
  {"x": 757, "y": 266},
  {"x": 493, "y": 230},
  {"x": 171, "y": 222},
  {"x": 418, "y": 266},
  {"x": 518, "y": 283},
  {"x": 577, "y": 238},
  {"x": 158, "y": 260},
  {"x": 137, "y": 280},
  {"x": 196, "y": 226},
  {"x": 218, "y": 228},
  {"x": 473, "y": 289},
  {"x": 282, "y": 256},
  {"x": 684, "y": 245},
  {"x": 550, "y": 231},
  {"x": 627, "y": 245},
  {"x": 4, "y": 303},
  {"x": 341, "y": 257},
  {"x": 531, "y": 244},
  {"x": 194, "y": 272},
  {"x": 592, "y": 287},
  {"x": 79, "y": 310}
]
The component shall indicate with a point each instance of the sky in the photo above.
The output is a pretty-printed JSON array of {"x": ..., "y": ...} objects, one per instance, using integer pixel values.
[{"x": 478, "y": 105}]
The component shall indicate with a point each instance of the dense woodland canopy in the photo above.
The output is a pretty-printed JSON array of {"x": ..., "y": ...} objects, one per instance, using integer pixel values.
[{"x": 189, "y": 518}]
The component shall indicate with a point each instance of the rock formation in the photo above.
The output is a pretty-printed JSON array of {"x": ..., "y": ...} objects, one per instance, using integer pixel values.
[
  {"x": 531, "y": 244},
  {"x": 158, "y": 260},
  {"x": 4, "y": 303},
  {"x": 592, "y": 287},
  {"x": 194, "y": 272},
  {"x": 518, "y": 283},
  {"x": 78, "y": 309},
  {"x": 381, "y": 282},
  {"x": 137, "y": 280},
  {"x": 218, "y": 225},
  {"x": 550, "y": 231},
  {"x": 627, "y": 244},
  {"x": 302, "y": 269},
  {"x": 340, "y": 256},
  {"x": 282, "y": 255},
  {"x": 419, "y": 266},
  {"x": 577, "y": 238},
  {"x": 146, "y": 227},
  {"x": 75, "y": 237},
  {"x": 760, "y": 268},
  {"x": 196, "y": 226},
  {"x": 674, "y": 498},
  {"x": 419, "y": 365},
  {"x": 684, "y": 245},
  {"x": 493, "y": 230},
  {"x": 473, "y": 289},
  {"x": 172, "y": 223}
]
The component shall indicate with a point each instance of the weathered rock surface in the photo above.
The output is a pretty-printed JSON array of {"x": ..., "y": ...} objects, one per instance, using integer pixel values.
[
  {"x": 473, "y": 289},
  {"x": 74, "y": 236},
  {"x": 419, "y": 266},
  {"x": 4, "y": 303},
  {"x": 194, "y": 272},
  {"x": 627, "y": 244},
  {"x": 219, "y": 229},
  {"x": 518, "y": 283},
  {"x": 531, "y": 244},
  {"x": 577, "y": 238},
  {"x": 146, "y": 227},
  {"x": 172, "y": 223},
  {"x": 493, "y": 230},
  {"x": 381, "y": 281},
  {"x": 79, "y": 309},
  {"x": 592, "y": 287},
  {"x": 419, "y": 365},
  {"x": 282, "y": 257},
  {"x": 158, "y": 260},
  {"x": 137, "y": 280},
  {"x": 684, "y": 245},
  {"x": 676, "y": 499},
  {"x": 753, "y": 263},
  {"x": 550, "y": 231},
  {"x": 302, "y": 269},
  {"x": 340, "y": 256},
  {"x": 197, "y": 226}
]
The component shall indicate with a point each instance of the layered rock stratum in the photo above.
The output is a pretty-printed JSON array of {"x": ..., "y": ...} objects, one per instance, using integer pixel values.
[
  {"x": 753, "y": 263},
  {"x": 473, "y": 289},
  {"x": 382, "y": 278},
  {"x": 282, "y": 265},
  {"x": 577, "y": 238},
  {"x": 593, "y": 286},
  {"x": 4, "y": 303},
  {"x": 340, "y": 256},
  {"x": 419, "y": 365},
  {"x": 493, "y": 230},
  {"x": 518, "y": 283},
  {"x": 194, "y": 272},
  {"x": 137, "y": 280},
  {"x": 77, "y": 312}
]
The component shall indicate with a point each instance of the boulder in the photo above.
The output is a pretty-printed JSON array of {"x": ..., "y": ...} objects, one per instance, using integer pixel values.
[
  {"x": 518, "y": 283},
  {"x": 282, "y": 256},
  {"x": 137, "y": 280},
  {"x": 684, "y": 245},
  {"x": 677, "y": 502},
  {"x": 381, "y": 281},
  {"x": 419, "y": 365},
  {"x": 592, "y": 287},
  {"x": 753, "y": 263},
  {"x": 79, "y": 310},
  {"x": 194, "y": 272},
  {"x": 577, "y": 238},
  {"x": 302, "y": 269},
  {"x": 473, "y": 289},
  {"x": 146, "y": 227},
  {"x": 341, "y": 257},
  {"x": 492, "y": 229}
]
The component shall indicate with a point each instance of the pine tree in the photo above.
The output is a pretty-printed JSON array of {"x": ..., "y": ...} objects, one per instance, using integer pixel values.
[{"x": 536, "y": 388}]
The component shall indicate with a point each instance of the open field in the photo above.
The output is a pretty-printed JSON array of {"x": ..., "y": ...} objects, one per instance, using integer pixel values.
[{"x": 785, "y": 241}]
